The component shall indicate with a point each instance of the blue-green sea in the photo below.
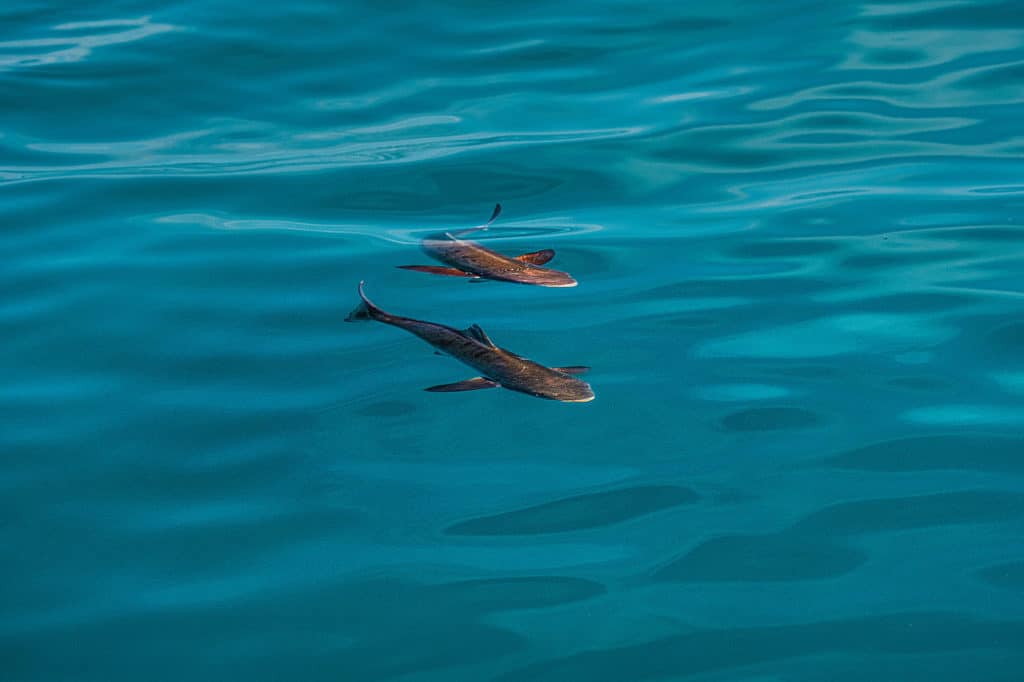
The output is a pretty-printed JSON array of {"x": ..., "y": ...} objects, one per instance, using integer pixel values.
[{"x": 798, "y": 231}]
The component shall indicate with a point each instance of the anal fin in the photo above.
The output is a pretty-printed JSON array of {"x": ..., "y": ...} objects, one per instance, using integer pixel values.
[
  {"x": 437, "y": 270},
  {"x": 537, "y": 257},
  {"x": 572, "y": 369},
  {"x": 474, "y": 384}
]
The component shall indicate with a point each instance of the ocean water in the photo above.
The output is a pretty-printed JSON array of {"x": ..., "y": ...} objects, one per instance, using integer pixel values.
[{"x": 797, "y": 231}]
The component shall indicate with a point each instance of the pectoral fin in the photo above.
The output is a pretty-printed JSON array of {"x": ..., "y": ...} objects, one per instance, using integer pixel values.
[
  {"x": 473, "y": 384},
  {"x": 437, "y": 270},
  {"x": 537, "y": 257},
  {"x": 572, "y": 369}
]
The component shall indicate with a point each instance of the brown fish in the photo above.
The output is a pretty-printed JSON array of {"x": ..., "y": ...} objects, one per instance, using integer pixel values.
[
  {"x": 470, "y": 259},
  {"x": 497, "y": 366}
]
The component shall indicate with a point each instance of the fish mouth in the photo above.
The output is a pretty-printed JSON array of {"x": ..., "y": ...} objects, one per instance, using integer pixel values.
[{"x": 583, "y": 396}]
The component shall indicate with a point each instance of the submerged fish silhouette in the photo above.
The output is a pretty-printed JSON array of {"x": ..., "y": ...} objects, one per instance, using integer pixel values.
[
  {"x": 497, "y": 366},
  {"x": 470, "y": 259}
]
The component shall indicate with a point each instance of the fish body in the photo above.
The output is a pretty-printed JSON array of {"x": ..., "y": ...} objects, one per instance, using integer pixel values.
[
  {"x": 466, "y": 258},
  {"x": 497, "y": 366}
]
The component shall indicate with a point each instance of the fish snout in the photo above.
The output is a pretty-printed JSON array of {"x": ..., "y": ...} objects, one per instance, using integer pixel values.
[
  {"x": 582, "y": 397},
  {"x": 554, "y": 279},
  {"x": 577, "y": 392}
]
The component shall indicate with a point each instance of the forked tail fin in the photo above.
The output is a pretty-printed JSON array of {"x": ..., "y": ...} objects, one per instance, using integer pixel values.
[
  {"x": 495, "y": 214},
  {"x": 366, "y": 310},
  {"x": 462, "y": 233}
]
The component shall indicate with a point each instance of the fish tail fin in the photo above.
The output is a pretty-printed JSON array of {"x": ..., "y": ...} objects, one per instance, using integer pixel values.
[
  {"x": 462, "y": 233},
  {"x": 366, "y": 310},
  {"x": 494, "y": 215}
]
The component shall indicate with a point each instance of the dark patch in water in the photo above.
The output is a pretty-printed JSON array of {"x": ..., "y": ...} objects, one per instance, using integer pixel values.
[
  {"x": 892, "y": 56},
  {"x": 918, "y": 383},
  {"x": 578, "y": 513},
  {"x": 667, "y": 26},
  {"x": 985, "y": 234},
  {"x": 580, "y": 259},
  {"x": 689, "y": 321},
  {"x": 738, "y": 648},
  {"x": 914, "y": 302},
  {"x": 919, "y": 511},
  {"x": 1002, "y": 76},
  {"x": 1008, "y": 338},
  {"x": 879, "y": 261},
  {"x": 387, "y": 408},
  {"x": 1007, "y": 576},
  {"x": 763, "y": 558},
  {"x": 980, "y": 452},
  {"x": 733, "y": 496},
  {"x": 838, "y": 120},
  {"x": 500, "y": 594},
  {"x": 803, "y": 371},
  {"x": 956, "y": 17},
  {"x": 441, "y": 644},
  {"x": 387, "y": 602},
  {"x": 783, "y": 248},
  {"x": 770, "y": 419}
]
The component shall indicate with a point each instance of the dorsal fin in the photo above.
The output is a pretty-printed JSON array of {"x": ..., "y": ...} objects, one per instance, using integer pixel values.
[
  {"x": 537, "y": 257},
  {"x": 475, "y": 332}
]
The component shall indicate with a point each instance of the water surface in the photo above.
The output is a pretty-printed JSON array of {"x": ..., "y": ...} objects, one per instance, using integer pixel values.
[{"x": 795, "y": 227}]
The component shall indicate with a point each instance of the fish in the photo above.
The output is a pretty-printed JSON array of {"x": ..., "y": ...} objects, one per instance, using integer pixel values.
[
  {"x": 497, "y": 367},
  {"x": 470, "y": 259}
]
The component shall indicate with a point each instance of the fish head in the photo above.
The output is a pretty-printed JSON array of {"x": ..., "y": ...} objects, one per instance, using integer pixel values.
[
  {"x": 564, "y": 388},
  {"x": 544, "y": 277}
]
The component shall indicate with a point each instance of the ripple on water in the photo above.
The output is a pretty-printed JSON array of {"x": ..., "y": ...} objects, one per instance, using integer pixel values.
[
  {"x": 836, "y": 335},
  {"x": 176, "y": 275},
  {"x": 742, "y": 392},
  {"x": 960, "y": 415},
  {"x": 813, "y": 139},
  {"x": 75, "y": 41}
]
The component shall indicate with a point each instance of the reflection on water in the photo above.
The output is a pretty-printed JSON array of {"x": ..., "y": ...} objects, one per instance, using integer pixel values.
[{"x": 75, "y": 41}]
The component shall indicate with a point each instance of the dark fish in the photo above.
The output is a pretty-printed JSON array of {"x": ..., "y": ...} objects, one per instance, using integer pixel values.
[
  {"x": 497, "y": 366},
  {"x": 470, "y": 259}
]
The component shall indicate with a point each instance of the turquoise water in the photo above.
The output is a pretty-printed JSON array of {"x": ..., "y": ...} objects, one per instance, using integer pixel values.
[{"x": 797, "y": 231}]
